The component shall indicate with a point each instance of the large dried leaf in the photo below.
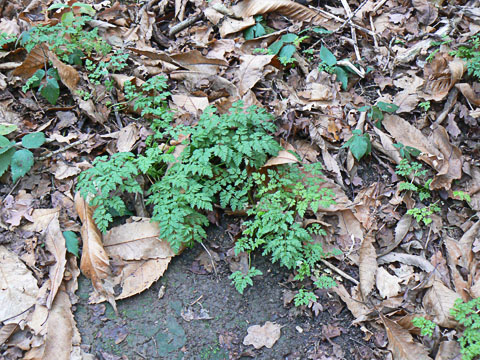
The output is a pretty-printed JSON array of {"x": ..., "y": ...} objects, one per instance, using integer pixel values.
[
  {"x": 35, "y": 60},
  {"x": 448, "y": 350},
  {"x": 438, "y": 301},
  {"x": 137, "y": 240},
  {"x": 266, "y": 335},
  {"x": 358, "y": 309},
  {"x": 251, "y": 70},
  {"x": 367, "y": 266},
  {"x": 441, "y": 75},
  {"x": 401, "y": 343},
  {"x": 407, "y": 259},
  {"x": 287, "y": 8},
  {"x": 18, "y": 287},
  {"x": 94, "y": 262},
  {"x": 67, "y": 73},
  {"x": 388, "y": 285},
  {"x": 56, "y": 245},
  {"x": 467, "y": 91}
]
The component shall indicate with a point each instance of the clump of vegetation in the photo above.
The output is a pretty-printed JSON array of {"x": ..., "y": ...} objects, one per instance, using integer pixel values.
[
  {"x": 18, "y": 156},
  {"x": 219, "y": 164},
  {"x": 468, "y": 315},
  {"x": 426, "y": 326},
  {"x": 375, "y": 112},
  {"x": 359, "y": 144},
  {"x": 471, "y": 54}
]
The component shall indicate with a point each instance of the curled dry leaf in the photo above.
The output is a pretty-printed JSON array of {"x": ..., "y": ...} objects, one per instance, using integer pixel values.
[
  {"x": 367, "y": 266},
  {"x": 469, "y": 93},
  {"x": 358, "y": 309},
  {"x": 286, "y": 8},
  {"x": 266, "y": 335},
  {"x": 438, "y": 301},
  {"x": 387, "y": 285},
  {"x": 94, "y": 262},
  {"x": 441, "y": 75},
  {"x": 401, "y": 343},
  {"x": 18, "y": 286}
]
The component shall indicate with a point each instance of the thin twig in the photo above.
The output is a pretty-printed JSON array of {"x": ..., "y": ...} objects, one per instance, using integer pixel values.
[
  {"x": 334, "y": 17},
  {"x": 62, "y": 149},
  {"x": 351, "y": 16},
  {"x": 184, "y": 24},
  {"x": 211, "y": 259},
  {"x": 338, "y": 271},
  {"x": 354, "y": 33}
]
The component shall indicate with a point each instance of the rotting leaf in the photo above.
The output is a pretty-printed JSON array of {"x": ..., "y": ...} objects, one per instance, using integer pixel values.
[
  {"x": 266, "y": 335},
  {"x": 367, "y": 265}
]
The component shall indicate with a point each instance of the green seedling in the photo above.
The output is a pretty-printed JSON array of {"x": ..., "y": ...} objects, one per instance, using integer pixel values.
[
  {"x": 375, "y": 112},
  {"x": 426, "y": 326},
  {"x": 468, "y": 315},
  {"x": 359, "y": 144},
  {"x": 329, "y": 65}
]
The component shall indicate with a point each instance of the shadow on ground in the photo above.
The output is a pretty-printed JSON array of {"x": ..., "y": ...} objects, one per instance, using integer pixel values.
[{"x": 149, "y": 327}]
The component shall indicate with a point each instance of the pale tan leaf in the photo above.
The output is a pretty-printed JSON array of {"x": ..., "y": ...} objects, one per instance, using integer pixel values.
[
  {"x": 448, "y": 350},
  {"x": 387, "y": 285},
  {"x": 367, "y": 266},
  {"x": 401, "y": 343},
  {"x": 41, "y": 219},
  {"x": 426, "y": 11},
  {"x": 55, "y": 243},
  {"x": 64, "y": 170},
  {"x": 441, "y": 75},
  {"x": 18, "y": 286},
  {"x": 438, "y": 301},
  {"x": 191, "y": 104},
  {"x": 58, "y": 341},
  {"x": 283, "y": 157},
  {"x": 251, "y": 70},
  {"x": 137, "y": 240},
  {"x": 356, "y": 307},
  {"x": 457, "y": 260},
  {"x": 401, "y": 230},
  {"x": 266, "y": 335},
  {"x": 6, "y": 331},
  {"x": 127, "y": 137},
  {"x": 138, "y": 276},
  {"x": 68, "y": 74},
  {"x": 366, "y": 203},
  {"x": 408, "y": 259},
  {"x": 286, "y": 8},
  {"x": 467, "y": 91},
  {"x": 94, "y": 262}
]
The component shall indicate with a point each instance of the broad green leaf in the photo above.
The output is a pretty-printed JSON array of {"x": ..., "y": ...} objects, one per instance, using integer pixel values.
[
  {"x": 22, "y": 162},
  {"x": 327, "y": 56},
  {"x": 39, "y": 74},
  {"x": 259, "y": 30},
  {"x": 289, "y": 38},
  {"x": 275, "y": 47},
  {"x": 52, "y": 72},
  {"x": 364, "y": 108},
  {"x": 376, "y": 115},
  {"x": 5, "y": 144},
  {"x": 321, "y": 31},
  {"x": 413, "y": 151},
  {"x": 71, "y": 241},
  {"x": 85, "y": 8},
  {"x": 359, "y": 145},
  {"x": 387, "y": 107},
  {"x": 57, "y": 6},
  {"x": 33, "y": 140},
  {"x": 51, "y": 90},
  {"x": 6, "y": 128},
  {"x": 287, "y": 51},
  {"x": 342, "y": 76},
  {"x": 249, "y": 33},
  {"x": 5, "y": 160}
]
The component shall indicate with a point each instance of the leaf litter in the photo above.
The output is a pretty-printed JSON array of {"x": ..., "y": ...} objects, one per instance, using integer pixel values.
[{"x": 393, "y": 267}]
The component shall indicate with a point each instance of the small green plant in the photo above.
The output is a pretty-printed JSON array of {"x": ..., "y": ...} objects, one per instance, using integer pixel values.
[
  {"x": 359, "y": 144},
  {"x": 462, "y": 196},
  {"x": 19, "y": 157},
  {"x": 426, "y": 326},
  {"x": 241, "y": 280},
  {"x": 329, "y": 65},
  {"x": 47, "y": 83},
  {"x": 425, "y": 105},
  {"x": 470, "y": 53},
  {"x": 445, "y": 41},
  {"x": 407, "y": 152},
  {"x": 284, "y": 48},
  {"x": 256, "y": 30},
  {"x": 468, "y": 315},
  {"x": 416, "y": 171},
  {"x": 375, "y": 112},
  {"x": 6, "y": 39},
  {"x": 303, "y": 297}
]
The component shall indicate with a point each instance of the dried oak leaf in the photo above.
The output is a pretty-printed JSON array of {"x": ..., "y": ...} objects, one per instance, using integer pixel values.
[{"x": 441, "y": 75}]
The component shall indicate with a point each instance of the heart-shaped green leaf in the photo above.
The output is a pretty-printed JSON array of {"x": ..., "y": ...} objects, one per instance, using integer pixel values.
[
  {"x": 33, "y": 140},
  {"x": 22, "y": 162}
]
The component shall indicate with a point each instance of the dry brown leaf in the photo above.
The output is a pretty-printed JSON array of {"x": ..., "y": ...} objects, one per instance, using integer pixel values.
[
  {"x": 41, "y": 219},
  {"x": 367, "y": 265},
  {"x": 358, "y": 309},
  {"x": 6, "y": 331},
  {"x": 137, "y": 240},
  {"x": 469, "y": 93},
  {"x": 387, "y": 285},
  {"x": 127, "y": 137},
  {"x": 438, "y": 301},
  {"x": 401, "y": 229},
  {"x": 287, "y": 8},
  {"x": 18, "y": 287},
  {"x": 34, "y": 61},
  {"x": 55, "y": 243},
  {"x": 191, "y": 104},
  {"x": 68, "y": 74},
  {"x": 366, "y": 203},
  {"x": 64, "y": 170},
  {"x": 94, "y": 262},
  {"x": 58, "y": 341},
  {"x": 401, "y": 343},
  {"x": 427, "y": 13},
  {"x": 251, "y": 70},
  {"x": 441, "y": 75},
  {"x": 448, "y": 350},
  {"x": 408, "y": 259},
  {"x": 266, "y": 335}
]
